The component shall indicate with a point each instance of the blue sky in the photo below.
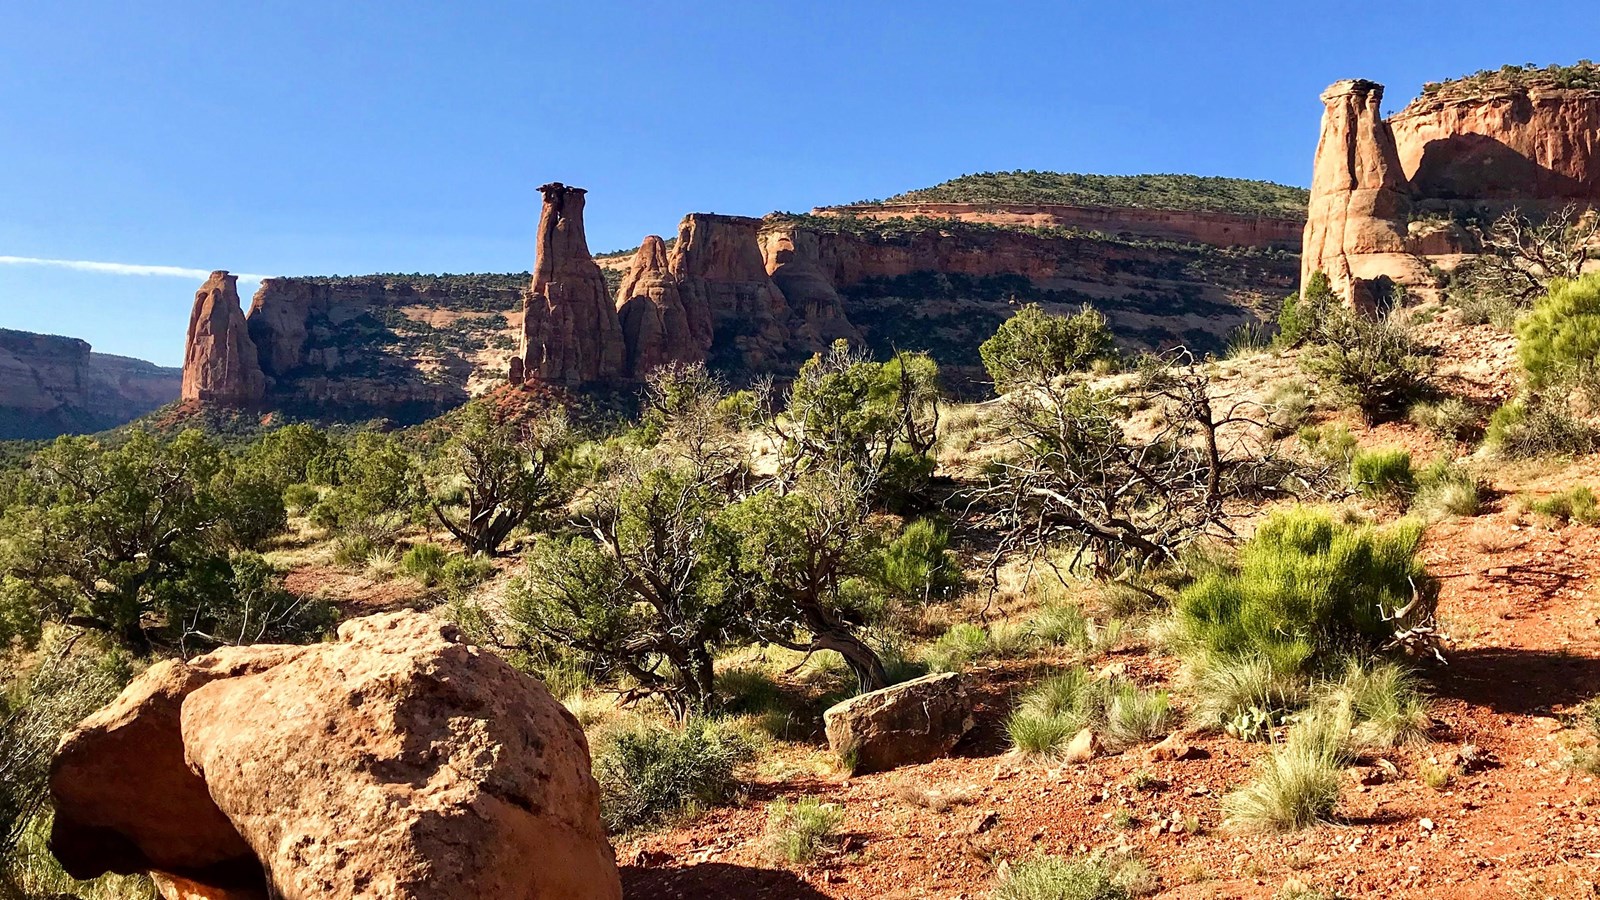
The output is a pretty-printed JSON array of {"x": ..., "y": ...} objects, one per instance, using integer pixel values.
[{"x": 287, "y": 137}]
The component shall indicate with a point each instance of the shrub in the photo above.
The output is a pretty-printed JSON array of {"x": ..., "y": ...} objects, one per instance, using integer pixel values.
[
  {"x": 918, "y": 567},
  {"x": 1383, "y": 474},
  {"x": 1452, "y": 418},
  {"x": 1300, "y": 317},
  {"x": 1307, "y": 589},
  {"x": 964, "y": 642},
  {"x": 652, "y": 772},
  {"x": 1576, "y": 504},
  {"x": 300, "y": 498},
  {"x": 425, "y": 563},
  {"x": 797, "y": 832},
  {"x": 1370, "y": 364},
  {"x": 1558, "y": 341},
  {"x": 1288, "y": 405},
  {"x": 352, "y": 550},
  {"x": 1330, "y": 443},
  {"x": 462, "y": 571},
  {"x": 1296, "y": 785},
  {"x": 1034, "y": 346},
  {"x": 1538, "y": 425},
  {"x": 1055, "y": 878}
]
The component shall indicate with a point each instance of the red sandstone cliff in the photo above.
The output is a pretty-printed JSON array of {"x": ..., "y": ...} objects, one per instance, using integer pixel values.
[
  {"x": 718, "y": 265},
  {"x": 570, "y": 331},
  {"x": 53, "y": 385},
  {"x": 657, "y": 328},
  {"x": 1384, "y": 193},
  {"x": 219, "y": 363}
]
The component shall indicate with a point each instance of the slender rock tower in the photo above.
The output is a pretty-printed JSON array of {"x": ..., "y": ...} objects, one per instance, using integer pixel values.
[
  {"x": 570, "y": 331},
  {"x": 220, "y": 366}
]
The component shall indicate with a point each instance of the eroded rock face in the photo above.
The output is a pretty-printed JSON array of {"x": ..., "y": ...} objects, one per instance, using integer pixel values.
[
  {"x": 915, "y": 721},
  {"x": 219, "y": 360},
  {"x": 718, "y": 265},
  {"x": 571, "y": 335},
  {"x": 52, "y": 385},
  {"x": 657, "y": 329},
  {"x": 816, "y": 311},
  {"x": 1360, "y": 200},
  {"x": 396, "y": 762}
]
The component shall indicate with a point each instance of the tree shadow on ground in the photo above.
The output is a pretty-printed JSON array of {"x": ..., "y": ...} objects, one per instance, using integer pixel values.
[
  {"x": 1518, "y": 682},
  {"x": 708, "y": 880}
]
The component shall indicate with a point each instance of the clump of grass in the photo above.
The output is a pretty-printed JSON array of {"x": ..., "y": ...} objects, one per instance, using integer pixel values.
[
  {"x": 1383, "y": 702},
  {"x": 1288, "y": 405},
  {"x": 1436, "y": 776},
  {"x": 1538, "y": 425},
  {"x": 1588, "y": 719},
  {"x": 381, "y": 564},
  {"x": 1058, "y": 878},
  {"x": 798, "y": 832},
  {"x": 1452, "y": 418},
  {"x": 352, "y": 551},
  {"x": 651, "y": 773},
  {"x": 1576, "y": 504},
  {"x": 1383, "y": 474},
  {"x": 937, "y": 800},
  {"x": 957, "y": 648},
  {"x": 1061, "y": 706},
  {"x": 1297, "y": 784},
  {"x": 1444, "y": 488},
  {"x": 1228, "y": 689},
  {"x": 1329, "y": 443}
]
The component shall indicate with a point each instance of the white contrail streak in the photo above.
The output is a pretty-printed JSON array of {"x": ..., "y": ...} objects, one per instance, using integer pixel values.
[{"x": 112, "y": 268}]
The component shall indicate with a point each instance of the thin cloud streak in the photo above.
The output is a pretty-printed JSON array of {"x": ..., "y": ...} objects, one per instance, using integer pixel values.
[{"x": 112, "y": 268}]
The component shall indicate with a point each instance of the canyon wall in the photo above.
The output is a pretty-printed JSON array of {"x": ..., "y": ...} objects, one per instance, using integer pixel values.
[
  {"x": 53, "y": 385},
  {"x": 1216, "y": 228},
  {"x": 1389, "y": 196}
]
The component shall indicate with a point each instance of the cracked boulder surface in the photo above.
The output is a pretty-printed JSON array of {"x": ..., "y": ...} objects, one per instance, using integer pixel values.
[{"x": 394, "y": 762}]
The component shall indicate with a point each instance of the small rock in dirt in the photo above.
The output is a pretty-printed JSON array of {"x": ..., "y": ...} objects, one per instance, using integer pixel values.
[
  {"x": 985, "y": 821},
  {"x": 1085, "y": 746},
  {"x": 1174, "y": 747}
]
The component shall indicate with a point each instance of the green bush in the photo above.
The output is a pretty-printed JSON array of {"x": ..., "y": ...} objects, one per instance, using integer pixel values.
[
  {"x": 1452, "y": 418},
  {"x": 1297, "y": 784},
  {"x": 1301, "y": 316},
  {"x": 918, "y": 567},
  {"x": 961, "y": 643},
  {"x": 1329, "y": 443},
  {"x": 652, "y": 773},
  {"x": 462, "y": 571},
  {"x": 1558, "y": 340},
  {"x": 1575, "y": 504},
  {"x": 1538, "y": 425},
  {"x": 1383, "y": 474},
  {"x": 1367, "y": 363},
  {"x": 1444, "y": 488},
  {"x": 797, "y": 832},
  {"x": 300, "y": 498},
  {"x": 1308, "y": 589},
  {"x": 424, "y": 563},
  {"x": 1034, "y": 346}
]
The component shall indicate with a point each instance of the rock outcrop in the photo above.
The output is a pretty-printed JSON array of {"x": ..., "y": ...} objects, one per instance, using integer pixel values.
[
  {"x": 571, "y": 335},
  {"x": 219, "y": 361},
  {"x": 911, "y": 722},
  {"x": 657, "y": 328},
  {"x": 1360, "y": 200},
  {"x": 396, "y": 762},
  {"x": 718, "y": 264},
  {"x": 1388, "y": 196},
  {"x": 53, "y": 385},
  {"x": 817, "y": 316},
  {"x": 1221, "y": 229}
]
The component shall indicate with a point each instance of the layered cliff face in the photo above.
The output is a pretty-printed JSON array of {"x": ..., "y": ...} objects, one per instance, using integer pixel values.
[
  {"x": 1388, "y": 196},
  {"x": 220, "y": 365},
  {"x": 793, "y": 258},
  {"x": 53, "y": 385},
  {"x": 717, "y": 262},
  {"x": 571, "y": 334}
]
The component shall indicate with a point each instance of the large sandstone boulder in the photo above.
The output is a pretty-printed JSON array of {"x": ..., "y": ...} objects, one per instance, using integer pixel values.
[
  {"x": 219, "y": 359},
  {"x": 912, "y": 722},
  {"x": 396, "y": 762},
  {"x": 570, "y": 331},
  {"x": 656, "y": 327}
]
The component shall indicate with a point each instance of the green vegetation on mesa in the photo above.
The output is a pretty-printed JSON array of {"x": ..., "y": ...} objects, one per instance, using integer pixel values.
[
  {"x": 1585, "y": 75},
  {"x": 1194, "y": 192}
]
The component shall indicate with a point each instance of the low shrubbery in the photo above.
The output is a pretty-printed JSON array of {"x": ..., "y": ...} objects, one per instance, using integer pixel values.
[
  {"x": 1059, "y": 878},
  {"x": 1452, "y": 418},
  {"x": 1122, "y": 715},
  {"x": 1308, "y": 589},
  {"x": 651, "y": 773},
  {"x": 1296, "y": 784},
  {"x": 797, "y": 832},
  {"x": 1539, "y": 425},
  {"x": 1577, "y": 504},
  {"x": 1558, "y": 341},
  {"x": 1035, "y": 346},
  {"x": 1383, "y": 474}
]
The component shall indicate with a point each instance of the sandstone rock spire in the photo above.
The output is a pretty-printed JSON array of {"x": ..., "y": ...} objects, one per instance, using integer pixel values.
[
  {"x": 723, "y": 281},
  {"x": 656, "y": 327},
  {"x": 219, "y": 359},
  {"x": 570, "y": 331},
  {"x": 1360, "y": 200}
]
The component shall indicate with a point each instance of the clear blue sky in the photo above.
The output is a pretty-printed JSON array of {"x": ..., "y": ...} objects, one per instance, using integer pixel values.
[{"x": 287, "y": 137}]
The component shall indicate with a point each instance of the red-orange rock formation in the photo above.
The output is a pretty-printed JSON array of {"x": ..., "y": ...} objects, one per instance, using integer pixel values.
[
  {"x": 1360, "y": 201},
  {"x": 717, "y": 262},
  {"x": 657, "y": 328},
  {"x": 219, "y": 362},
  {"x": 570, "y": 331},
  {"x": 396, "y": 762},
  {"x": 1385, "y": 194},
  {"x": 816, "y": 311},
  {"x": 1217, "y": 228}
]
